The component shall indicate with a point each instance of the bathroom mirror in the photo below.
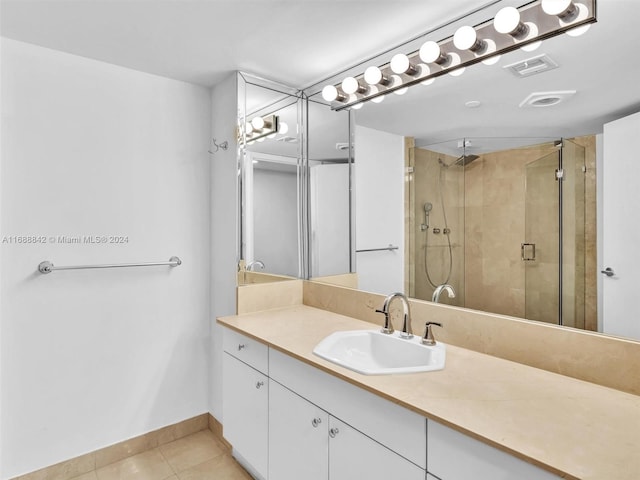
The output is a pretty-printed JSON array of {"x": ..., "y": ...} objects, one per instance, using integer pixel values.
[
  {"x": 270, "y": 161},
  {"x": 465, "y": 124},
  {"x": 295, "y": 192}
]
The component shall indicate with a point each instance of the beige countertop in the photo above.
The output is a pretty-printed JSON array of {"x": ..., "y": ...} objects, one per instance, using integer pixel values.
[{"x": 570, "y": 427}]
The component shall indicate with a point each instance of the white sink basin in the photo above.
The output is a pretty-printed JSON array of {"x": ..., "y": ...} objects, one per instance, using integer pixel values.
[{"x": 374, "y": 353}]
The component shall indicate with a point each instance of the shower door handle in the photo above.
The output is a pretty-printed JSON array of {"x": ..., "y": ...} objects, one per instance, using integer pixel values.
[{"x": 528, "y": 252}]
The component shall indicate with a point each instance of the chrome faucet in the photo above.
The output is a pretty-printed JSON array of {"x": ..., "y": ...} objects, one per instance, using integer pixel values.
[
  {"x": 451, "y": 293},
  {"x": 253, "y": 264},
  {"x": 406, "y": 324}
]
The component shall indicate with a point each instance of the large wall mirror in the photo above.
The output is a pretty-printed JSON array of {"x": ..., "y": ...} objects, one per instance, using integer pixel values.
[
  {"x": 295, "y": 189},
  {"x": 490, "y": 181}
]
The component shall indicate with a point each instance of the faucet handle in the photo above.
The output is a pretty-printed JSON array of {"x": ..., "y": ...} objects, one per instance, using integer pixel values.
[
  {"x": 387, "y": 327},
  {"x": 428, "y": 338}
]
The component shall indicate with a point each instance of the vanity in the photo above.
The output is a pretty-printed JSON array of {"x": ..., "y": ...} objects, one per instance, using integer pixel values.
[{"x": 290, "y": 414}]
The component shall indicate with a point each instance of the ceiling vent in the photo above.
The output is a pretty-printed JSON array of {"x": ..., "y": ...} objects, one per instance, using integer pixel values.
[
  {"x": 532, "y": 66},
  {"x": 546, "y": 99}
]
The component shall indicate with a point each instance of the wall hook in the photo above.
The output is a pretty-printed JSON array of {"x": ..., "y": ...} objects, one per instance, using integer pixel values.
[{"x": 224, "y": 145}]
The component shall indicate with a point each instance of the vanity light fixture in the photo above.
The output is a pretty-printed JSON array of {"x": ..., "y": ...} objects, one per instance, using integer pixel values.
[
  {"x": 512, "y": 28},
  {"x": 258, "y": 128}
]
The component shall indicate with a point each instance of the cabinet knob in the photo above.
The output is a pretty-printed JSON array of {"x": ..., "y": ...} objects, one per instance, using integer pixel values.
[
  {"x": 241, "y": 346},
  {"x": 316, "y": 421},
  {"x": 333, "y": 432},
  {"x": 259, "y": 384}
]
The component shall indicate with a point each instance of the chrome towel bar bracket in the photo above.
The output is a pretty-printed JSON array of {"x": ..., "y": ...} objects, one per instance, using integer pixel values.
[{"x": 48, "y": 267}]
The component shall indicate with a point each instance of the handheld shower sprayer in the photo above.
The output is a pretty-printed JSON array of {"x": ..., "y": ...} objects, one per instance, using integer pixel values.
[{"x": 427, "y": 208}]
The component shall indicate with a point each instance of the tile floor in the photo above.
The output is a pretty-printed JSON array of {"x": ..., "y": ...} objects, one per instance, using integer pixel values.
[{"x": 200, "y": 456}]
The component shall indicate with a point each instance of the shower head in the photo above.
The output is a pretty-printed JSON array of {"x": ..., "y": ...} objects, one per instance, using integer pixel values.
[
  {"x": 465, "y": 160},
  {"x": 427, "y": 207}
]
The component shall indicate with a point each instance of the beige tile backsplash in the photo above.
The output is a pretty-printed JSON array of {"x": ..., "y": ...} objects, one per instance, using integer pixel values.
[{"x": 605, "y": 360}]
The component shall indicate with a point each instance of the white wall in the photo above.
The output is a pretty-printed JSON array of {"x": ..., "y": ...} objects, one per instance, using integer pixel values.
[
  {"x": 224, "y": 240},
  {"x": 94, "y": 357},
  {"x": 330, "y": 229},
  {"x": 275, "y": 220},
  {"x": 379, "y": 193}
]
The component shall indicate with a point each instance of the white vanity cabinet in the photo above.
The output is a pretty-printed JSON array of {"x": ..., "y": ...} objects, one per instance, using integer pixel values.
[
  {"x": 353, "y": 455},
  {"x": 298, "y": 437},
  {"x": 452, "y": 455},
  {"x": 288, "y": 420},
  {"x": 305, "y": 442},
  {"x": 245, "y": 400}
]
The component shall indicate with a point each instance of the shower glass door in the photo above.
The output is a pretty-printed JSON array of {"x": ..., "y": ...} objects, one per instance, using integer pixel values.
[
  {"x": 573, "y": 235},
  {"x": 540, "y": 251},
  {"x": 553, "y": 251}
]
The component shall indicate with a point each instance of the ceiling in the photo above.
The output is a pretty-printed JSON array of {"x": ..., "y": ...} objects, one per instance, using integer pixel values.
[
  {"x": 303, "y": 42},
  {"x": 297, "y": 42}
]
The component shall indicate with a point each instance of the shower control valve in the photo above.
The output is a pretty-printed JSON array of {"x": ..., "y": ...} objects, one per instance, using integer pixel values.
[{"x": 436, "y": 230}]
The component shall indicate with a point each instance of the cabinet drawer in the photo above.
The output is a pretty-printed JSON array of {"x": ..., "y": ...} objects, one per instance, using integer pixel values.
[
  {"x": 395, "y": 427},
  {"x": 246, "y": 349},
  {"x": 454, "y": 456}
]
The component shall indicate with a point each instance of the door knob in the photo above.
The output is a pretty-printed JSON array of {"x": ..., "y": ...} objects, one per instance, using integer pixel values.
[
  {"x": 333, "y": 432},
  {"x": 608, "y": 272},
  {"x": 259, "y": 384},
  {"x": 316, "y": 421}
]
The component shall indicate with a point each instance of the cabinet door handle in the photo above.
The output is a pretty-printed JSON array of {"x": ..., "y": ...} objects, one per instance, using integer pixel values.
[
  {"x": 241, "y": 346},
  {"x": 333, "y": 432},
  {"x": 259, "y": 384},
  {"x": 315, "y": 422}
]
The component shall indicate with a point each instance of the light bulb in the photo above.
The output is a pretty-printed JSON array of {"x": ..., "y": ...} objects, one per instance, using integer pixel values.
[
  {"x": 350, "y": 85},
  {"x": 372, "y": 91},
  {"x": 491, "y": 47},
  {"x": 507, "y": 21},
  {"x": 576, "y": 32},
  {"x": 283, "y": 128},
  {"x": 248, "y": 128},
  {"x": 430, "y": 53},
  {"x": 582, "y": 12},
  {"x": 257, "y": 123},
  {"x": 556, "y": 7},
  {"x": 531, "y": 47},
  {"x": 330, "y": 93},
  {"x": 396, "y": 81},
  {"x": 466, "y": 38},
  {"x": 425, "y": 71},
  {"x": 455, "y": 60},
  {"x": 357, "y": 106},
  {"x": 373, "y": 76},
  {"x": 492, "y": 60},
  {"x": 400, "y": 64}
]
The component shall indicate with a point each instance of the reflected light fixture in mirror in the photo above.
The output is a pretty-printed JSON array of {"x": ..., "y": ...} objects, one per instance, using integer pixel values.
[
  {"x": 512, "y": 28},
  {"x": 258, "y": 129}
]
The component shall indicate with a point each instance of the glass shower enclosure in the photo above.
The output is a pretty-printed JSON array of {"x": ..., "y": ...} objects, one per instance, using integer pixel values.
[{"x": 503, "y": 222}]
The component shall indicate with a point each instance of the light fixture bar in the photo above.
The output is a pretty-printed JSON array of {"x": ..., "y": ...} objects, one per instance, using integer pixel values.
[
  {"x": 258, "y": 127},
  {"x": 510, "y": 30}
]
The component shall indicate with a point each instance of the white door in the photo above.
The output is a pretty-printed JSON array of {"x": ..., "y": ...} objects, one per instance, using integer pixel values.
[
  {"x": 620, "y": 228},
  {"x": 353, "y": 455},
  {"x": 245, "y": 401},
  {"x": 298, "y": 437}
]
